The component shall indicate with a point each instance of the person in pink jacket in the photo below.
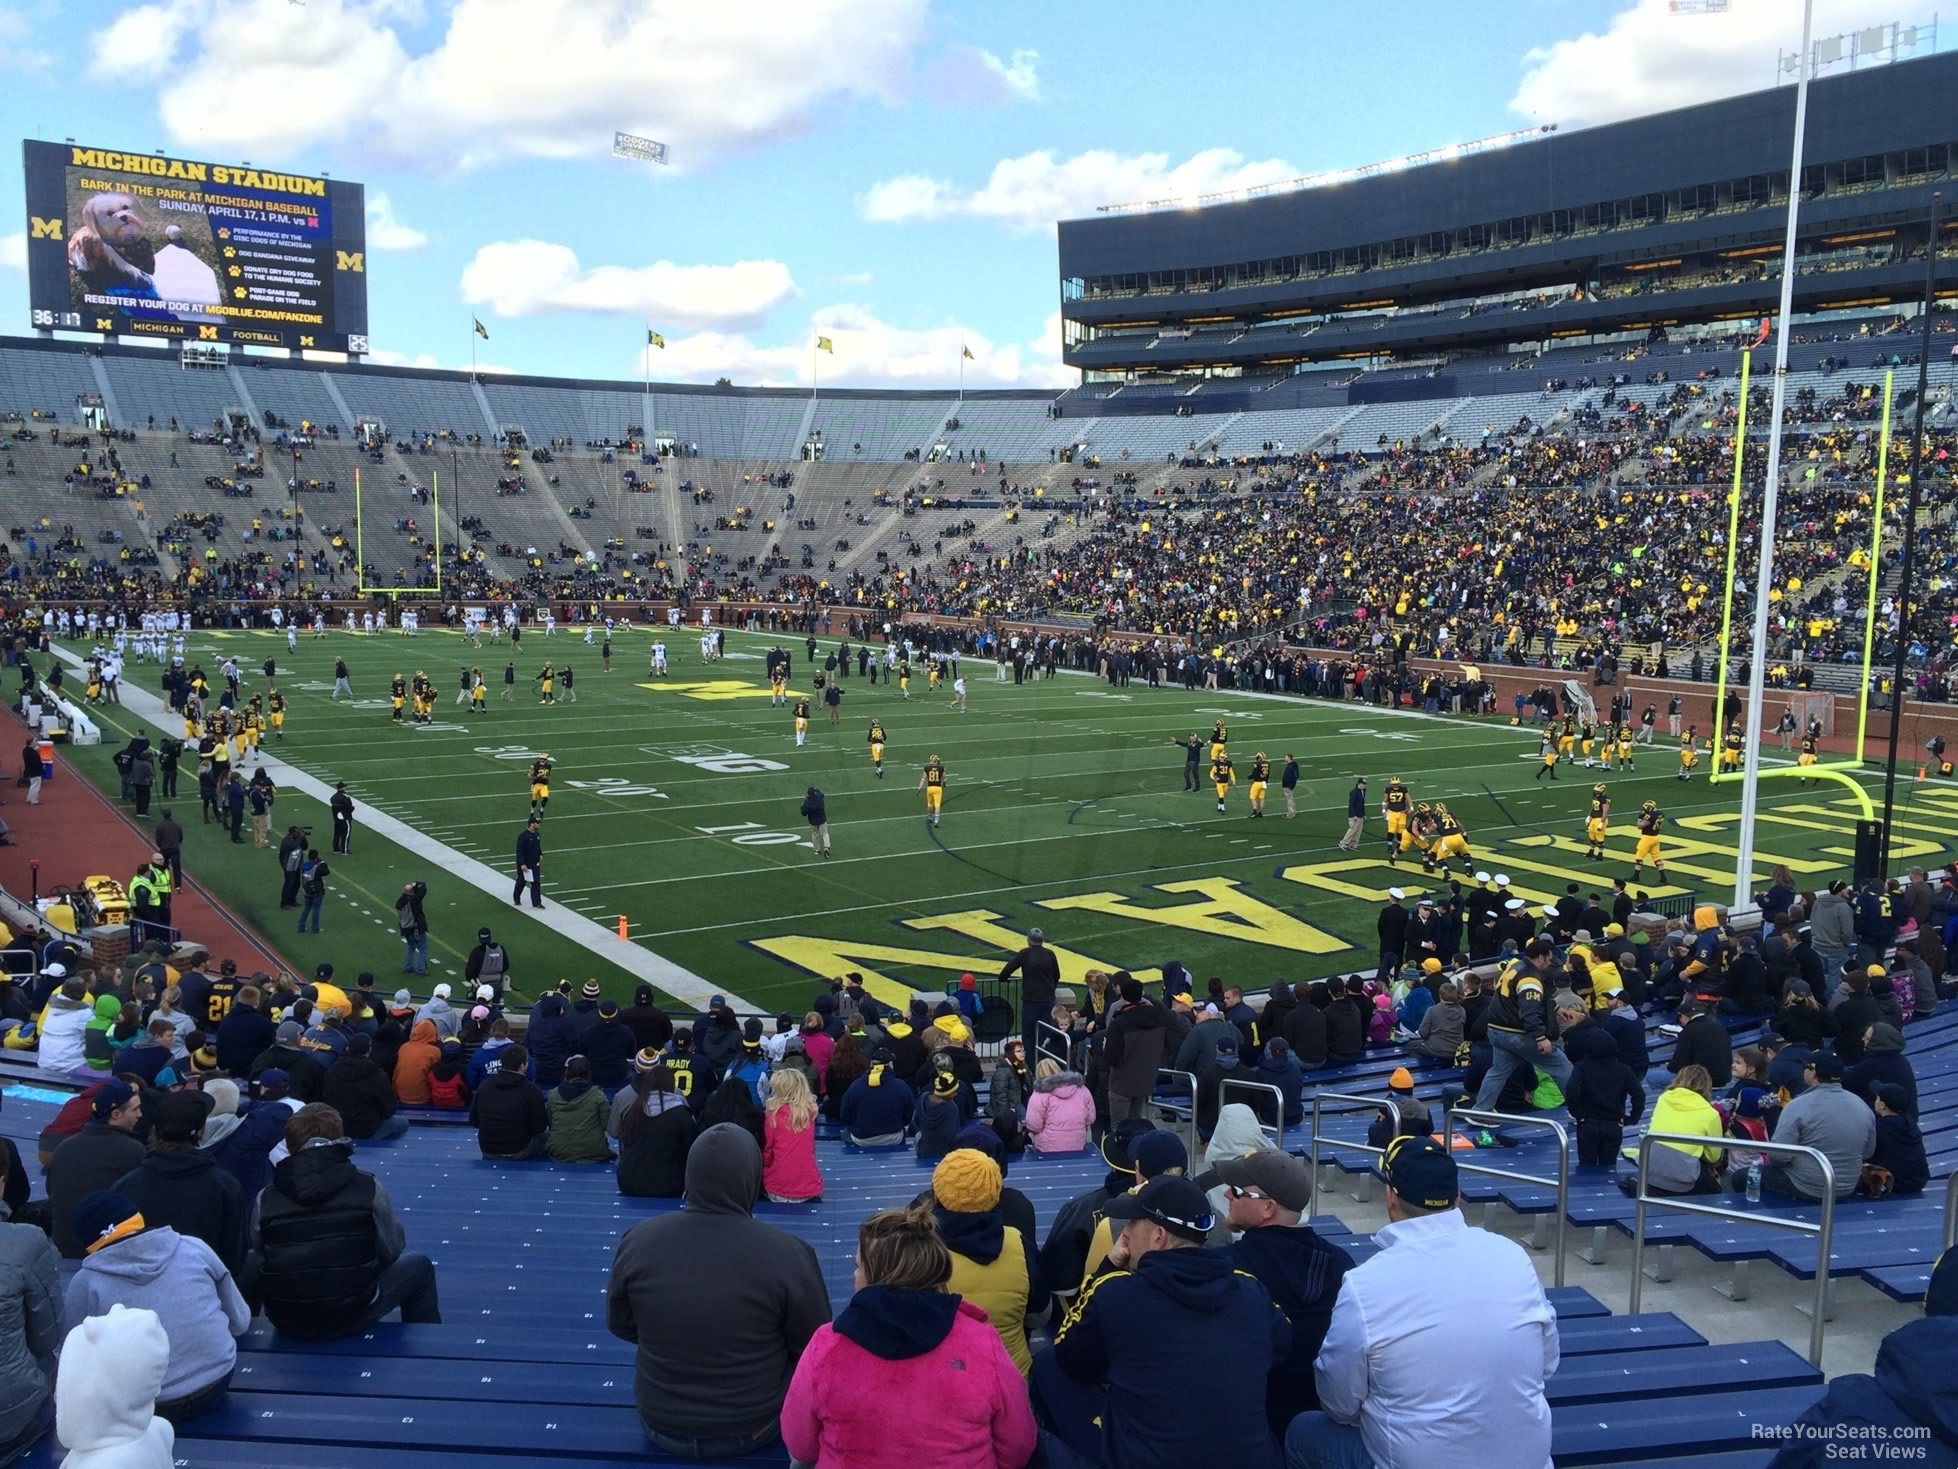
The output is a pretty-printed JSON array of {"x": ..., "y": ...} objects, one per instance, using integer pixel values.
[
  {"x": 1061, "y": 1110},
  {"x": 818, "y": 1045},
  {"x": 903, "y": 1341},
  {"x": 789, "y": 1174}
]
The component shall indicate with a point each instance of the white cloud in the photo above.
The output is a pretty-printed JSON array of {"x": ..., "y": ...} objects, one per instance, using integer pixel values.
[
  {"x": 531, "y": 277},
  {"x": 1649, "y": 59},
  {"x": 13, "y": 251},
  {"x": 14, "y": 32},
  {"x": 385, "y": 232},
  {"x": 143, "y": 40},
  {"x": 545, "y": 78},
  {"x": 869, "y": 353},
  {"x": 1032, "y": 191},
  {"x": 1020, "y": 75}
]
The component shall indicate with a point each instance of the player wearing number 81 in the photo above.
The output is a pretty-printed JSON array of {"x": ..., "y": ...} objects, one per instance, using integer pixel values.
[
  {"x": 932, "y": 783},
  {"x": 1598, "y": 823}
]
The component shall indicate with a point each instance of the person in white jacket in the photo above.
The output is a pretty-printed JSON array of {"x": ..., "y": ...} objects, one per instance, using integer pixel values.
[
  {"x": 63, "y": 1025},
  {"x": 1392, "y": 1389},
  {"x": 111, "y": 1368}
]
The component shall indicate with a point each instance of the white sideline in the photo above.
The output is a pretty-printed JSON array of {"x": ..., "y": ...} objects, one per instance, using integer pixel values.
[{"x": 634, "y": 958}]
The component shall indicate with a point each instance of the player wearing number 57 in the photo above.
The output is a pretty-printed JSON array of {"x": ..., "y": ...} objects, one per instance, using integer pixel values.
[{"x": 530, "y": 865}]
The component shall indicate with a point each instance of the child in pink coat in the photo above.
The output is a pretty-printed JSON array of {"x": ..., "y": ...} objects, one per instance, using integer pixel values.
[
  {"x": 1061, "y": 1110},
  {"x": 789, "y": 1174},
  {"x": 903, "y": 1341}
]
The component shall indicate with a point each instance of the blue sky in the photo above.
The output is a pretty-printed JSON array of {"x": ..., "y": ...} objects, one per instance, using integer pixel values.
[{"x": 883, "y": 172}]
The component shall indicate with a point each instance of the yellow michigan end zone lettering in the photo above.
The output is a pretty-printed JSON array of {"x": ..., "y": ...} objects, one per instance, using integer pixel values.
[{"x": 1226, "y": 912}]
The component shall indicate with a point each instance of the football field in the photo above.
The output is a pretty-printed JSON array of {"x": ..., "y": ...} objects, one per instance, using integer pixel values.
[{"x": 675, "y": 805}]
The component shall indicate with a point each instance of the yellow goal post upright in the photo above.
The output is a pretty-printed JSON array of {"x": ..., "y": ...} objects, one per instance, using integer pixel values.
[
  {"x": 395, "y": 594},
  {"x": 1840, "y": 770}
]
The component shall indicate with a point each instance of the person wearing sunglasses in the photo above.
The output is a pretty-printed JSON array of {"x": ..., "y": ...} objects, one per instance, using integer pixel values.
[{"x": 1269, "y": 1195}]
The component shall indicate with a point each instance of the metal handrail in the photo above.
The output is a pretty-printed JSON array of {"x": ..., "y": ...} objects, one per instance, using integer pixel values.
[
  {"x": 1951, "y": 1211},
  {"x": 1189, "y": 1078},
  {"x": 1561, "y": 1183},
  {"x": 1824, "y": 1229},
  {"x": 1066, "y": 1052},
  {"x": 1277, "y": 1104},
  {"x": 1318, "y": 1098}
]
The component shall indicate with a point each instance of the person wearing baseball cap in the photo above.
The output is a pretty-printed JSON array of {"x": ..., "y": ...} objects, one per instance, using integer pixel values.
[
  {"x": 1838, "y": 1123},
  {"x": 1270, "y": 1195},
  {"x": 1439, "y": 1294},
  {"x": 97, "y": 1157},
  {"x": 1163, "y": 1360},
  {"x": 1155, "y": 1154},
  {"x": 1063, "y": 1258}
]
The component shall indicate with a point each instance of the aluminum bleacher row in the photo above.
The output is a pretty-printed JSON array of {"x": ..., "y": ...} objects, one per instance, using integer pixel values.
[{"x": 523, "y": 1367}]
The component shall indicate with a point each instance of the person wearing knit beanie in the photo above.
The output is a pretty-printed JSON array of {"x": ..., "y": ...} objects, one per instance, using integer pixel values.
[
  {"x": 989, "y": 1261},
  {"x": 939, "y": 1117},
  {"x": 966, "y": 1181},
  {"x": 1401, "y": 1081}
]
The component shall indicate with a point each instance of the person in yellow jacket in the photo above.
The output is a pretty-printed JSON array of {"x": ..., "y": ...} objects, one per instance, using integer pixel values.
[
  {"x": 989, "y": 1258},
  {"x": 1685, "y": 1108},
  {"x": 1158, "y": 1154}
]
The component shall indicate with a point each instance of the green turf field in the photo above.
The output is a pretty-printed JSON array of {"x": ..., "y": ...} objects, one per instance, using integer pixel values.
[{"x": 675, "y": 804}]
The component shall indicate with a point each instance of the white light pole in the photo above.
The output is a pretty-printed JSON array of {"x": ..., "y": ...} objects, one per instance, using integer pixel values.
[{"x": 1757, "y": 662}]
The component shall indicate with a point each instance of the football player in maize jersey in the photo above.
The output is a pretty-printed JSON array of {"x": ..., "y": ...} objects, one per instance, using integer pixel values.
[
  {"x": 777, "y": 685},
  {"x": 1222, "y": 776},
  {"x": 478, "y": 691},
  {"x": 1714, "y": 951},
  {"x": 1731, "y": 748},
  {"x": 904, "y": 676},
  {"x": 1260, "y": 774},
  {"x": 1219, "y": 738},
  {"x": 1625, "y": 747},
  {"x": 1807, "y": 757},
  {"x": 1651, "y": 821},
  {"x": 546, "y": 682},
  {"x": 1587, "y": 735},
  {"x": 932, "y": 783},
  {"x": 877, "y": 747},
  {"x": 1422, "y": 828},
  {"x": 1395, "y": 808},
  {"x": 540, "y": 785},
  {"x": 1598, "y": 822},
  {"x": 398, "y": 695},
  {"x": 276, "y": 703},
  {"x": 1450, "y": 840},
  {"x": 800, "y": 714},
  {"x": 1689, "y": 752},
  {"x": 1567, "y": 738}
]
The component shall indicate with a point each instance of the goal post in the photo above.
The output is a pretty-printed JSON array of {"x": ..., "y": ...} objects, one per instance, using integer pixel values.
[
  {"x": 1808, "y": 704},
  {"x": 395, "y": 594}
]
